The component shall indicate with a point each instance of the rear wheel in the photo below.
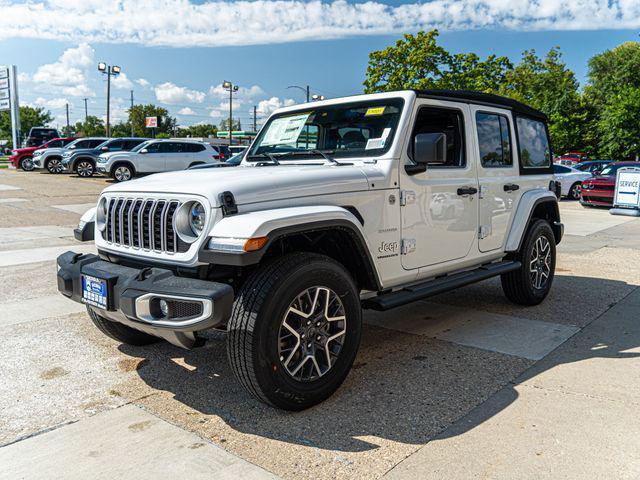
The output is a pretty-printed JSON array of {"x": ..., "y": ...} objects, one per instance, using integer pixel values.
[
  {"x": 54, "y": 165},
  {"x": 574, "y": 191},
  {"x": 26, "y": 164},
  {"x": 295, "y": 330},
  {"x": 122, "y": 173},
  {"x": 530, "y": 284},
  {"x": 120, "y": 332},
  {"x": 85, "y": 168}
]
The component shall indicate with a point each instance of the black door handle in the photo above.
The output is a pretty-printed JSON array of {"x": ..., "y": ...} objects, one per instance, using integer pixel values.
[
  {"x": 467, "y": 191},
  {"x": 511, "y": 187}
]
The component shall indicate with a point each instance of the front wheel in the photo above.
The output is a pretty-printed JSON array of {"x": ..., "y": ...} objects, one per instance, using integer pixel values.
[
  {"x": 574, "y": 191},
  {"x": 26, "y": 164},
  {"x": 54, "y": 165},
  {"x": 295, "y": 330},
  {"x": 530, "y": 284},
  {"x": 85, "y": 168},
  {"x": 122, "y": 173}
]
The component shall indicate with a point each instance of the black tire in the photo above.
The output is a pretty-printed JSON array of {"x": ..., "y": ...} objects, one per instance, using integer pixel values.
[
  {"x": 85, "y": 168},
  {"x": 26, "y": 164},
  {"x": 54, "y": 166},
  {"x": 121, "y": 332},
  {"x": 254, "y": 337},
  {"x": 118, "y": 172},
  {"x": 519, "y": 285},
  {"x": 574, "y": 191}
]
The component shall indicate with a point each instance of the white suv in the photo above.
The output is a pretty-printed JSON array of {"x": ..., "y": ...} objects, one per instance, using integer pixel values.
[
  {"x": 156, "y": 156},
  {"x": 371, "y": 201}
]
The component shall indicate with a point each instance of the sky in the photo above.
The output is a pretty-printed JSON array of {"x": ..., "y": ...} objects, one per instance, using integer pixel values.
[{"x": 177, "y": 53}]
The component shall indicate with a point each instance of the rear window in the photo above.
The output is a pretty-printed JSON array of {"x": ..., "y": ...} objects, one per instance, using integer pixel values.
[
  {"x": 535, "y": 151},
  {"x": 493, "y": 140}
]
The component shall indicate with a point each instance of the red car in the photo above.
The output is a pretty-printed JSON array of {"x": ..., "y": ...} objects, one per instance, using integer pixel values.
[
  {"x": 23, "y": 157},
  {"x": 599, "y": 189}
]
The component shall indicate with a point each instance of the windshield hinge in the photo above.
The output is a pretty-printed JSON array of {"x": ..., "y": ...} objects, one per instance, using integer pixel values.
[{"x": 407, "y": 197}]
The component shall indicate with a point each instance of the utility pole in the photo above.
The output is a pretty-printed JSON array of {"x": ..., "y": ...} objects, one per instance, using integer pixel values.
[
  {"x": 255, "y": 119},
  {"x": 130, "y": 110},
  {"x": 67, "y": 108},
  {"x": 86, "y": 111},
  {"x": 232, "y": 88},
  {"x": 109, "y": 71}
]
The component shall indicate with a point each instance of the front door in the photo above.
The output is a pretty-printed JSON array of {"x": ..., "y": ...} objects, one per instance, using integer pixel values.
[
  {"x": 152, "y": 161},
  {"x": 440, "y": 206},
  {"x": 498, "y": 175}
]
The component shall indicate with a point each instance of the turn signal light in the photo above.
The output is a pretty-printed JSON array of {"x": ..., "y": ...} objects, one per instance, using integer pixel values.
[{"x": 253, "y": 244}]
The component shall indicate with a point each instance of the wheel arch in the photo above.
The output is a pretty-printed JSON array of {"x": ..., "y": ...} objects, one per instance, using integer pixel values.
[
  {"x": 128, "y": 163},
  {"x": 535, "y": 204},
  {"x": 333, "y": 231}
]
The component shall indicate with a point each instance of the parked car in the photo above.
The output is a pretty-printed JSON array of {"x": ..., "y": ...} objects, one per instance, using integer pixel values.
[
  {"x": 599, "y": 189},
  {"x": 232, "y": 162},
  {"x": 51, "y": 158},
  {"x": 40, "y": 135},
  {"x": 23, "y": 157},
  {"x": 572, "y": 158},
  {"x": 570, "y": 180},
  {"x": 155, "y": 156},
  {"x": 83, "y": 160},
  {"x": 235, "y": 149},
  {"x": 223, "y": 152},
  {"x": 329, "y": 212},
  {"x": 592, "y": 166}
]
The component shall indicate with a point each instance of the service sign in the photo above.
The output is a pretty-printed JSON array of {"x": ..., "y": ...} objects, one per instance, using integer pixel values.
[
  {"x": 151, "y": 122},
  {"x": 627, "y": 188}
]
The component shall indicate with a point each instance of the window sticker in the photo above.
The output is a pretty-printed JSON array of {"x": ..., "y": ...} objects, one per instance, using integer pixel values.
[
  {"x": 374, "y": 111},
  {"x": 374, "y": 143},
  {"x": 285, "y": 130}
]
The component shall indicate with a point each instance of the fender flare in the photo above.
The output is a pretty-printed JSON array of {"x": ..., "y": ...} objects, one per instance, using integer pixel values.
[
  {"x": 129, "y": 163},
  {"x": 524, "y": 212},
  {"x": 279, "y": 223}
]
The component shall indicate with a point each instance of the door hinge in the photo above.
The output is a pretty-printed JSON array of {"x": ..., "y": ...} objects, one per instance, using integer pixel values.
[
  {"x": 407, "y": 197},
  {"x": 483, "y": 191},
  {"x": 408, "y": 245},
  {"x": 484, "y": 231}
]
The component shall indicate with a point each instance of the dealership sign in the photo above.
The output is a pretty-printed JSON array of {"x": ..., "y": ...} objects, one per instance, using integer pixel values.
[
  {"x": 151, "y": 122},
  {"x": 626, "y": 199},
  {"x": 5, "y": 93}
]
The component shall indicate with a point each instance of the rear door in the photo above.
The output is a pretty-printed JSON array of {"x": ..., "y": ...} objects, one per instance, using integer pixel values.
[
  {"x": 498, "y": 175},
  {"x": 176, "y": 156}
]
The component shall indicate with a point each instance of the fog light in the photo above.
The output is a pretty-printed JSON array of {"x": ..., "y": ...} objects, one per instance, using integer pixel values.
[{"x": 164, "y": 308}]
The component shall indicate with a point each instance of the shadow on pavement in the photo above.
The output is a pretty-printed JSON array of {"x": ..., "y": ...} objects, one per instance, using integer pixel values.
[{"x": 403, "y": 388}]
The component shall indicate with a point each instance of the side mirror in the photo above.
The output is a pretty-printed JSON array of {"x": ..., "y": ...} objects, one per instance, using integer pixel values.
[
  {"x": 72, "y": 147},
  {"x": 105, "y": 149},
  {"x": 428, "y": 148},
  {"x": 144, "y": 150}
]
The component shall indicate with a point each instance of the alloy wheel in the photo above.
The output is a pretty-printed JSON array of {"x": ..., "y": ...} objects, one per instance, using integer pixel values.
[
  {"x": 85, "y": 169},
  {"x": 27, "y": 164},
  {"x": 575, "y": 191},
  {"x": 55, "y": 166},
  {"x": 540, "y": 263},
  {"x": 312, "y": 334},
  {"x": 122, "y": 174}
]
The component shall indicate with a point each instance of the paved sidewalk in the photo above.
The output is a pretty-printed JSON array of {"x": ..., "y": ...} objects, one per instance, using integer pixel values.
[{"x": 572, "y": 415}]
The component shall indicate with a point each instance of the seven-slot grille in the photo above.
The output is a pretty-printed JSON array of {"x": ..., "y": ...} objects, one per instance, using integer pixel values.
[{"x": 143, "y": 223}]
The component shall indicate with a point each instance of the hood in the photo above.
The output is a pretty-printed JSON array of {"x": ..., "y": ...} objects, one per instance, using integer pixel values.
[
  {"x": 50, "y": 150},
  {"x": 250, "y": 184},
  {"x": 90, "y": 151},
  {"x": 601, "y": 179},
  {"x": 25, "y": 150},
  {"x": 116, "y": 154}
]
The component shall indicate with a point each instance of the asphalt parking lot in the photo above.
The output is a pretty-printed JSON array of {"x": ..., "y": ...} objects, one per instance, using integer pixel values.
[{"x": 465, "y": 385}]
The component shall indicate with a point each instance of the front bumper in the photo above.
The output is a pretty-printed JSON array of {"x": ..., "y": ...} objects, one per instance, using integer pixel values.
[
  {"x": 15, "y": 161},
  {"x": 132, "y": 292}
]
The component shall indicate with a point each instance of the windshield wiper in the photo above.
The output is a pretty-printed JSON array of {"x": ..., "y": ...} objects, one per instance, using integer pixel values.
[
  {"x": 323, "y": 153},
  {"x": 268, "y": 156}
]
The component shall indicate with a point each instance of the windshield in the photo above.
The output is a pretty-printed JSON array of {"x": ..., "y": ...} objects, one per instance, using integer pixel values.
[
  {"x": 104, "y": 144},
  {"x": 141, "y": 146},
  {"x": 358, "y": 129},
  {"x": 610, "y": 170},
  {"x": 73, "y": 143}
]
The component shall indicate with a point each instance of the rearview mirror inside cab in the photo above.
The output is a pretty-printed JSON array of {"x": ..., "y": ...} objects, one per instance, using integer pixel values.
[{"x": 428, "y": 149}]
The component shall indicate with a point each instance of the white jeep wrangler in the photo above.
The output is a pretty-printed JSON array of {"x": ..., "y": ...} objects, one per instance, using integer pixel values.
[{"x": 370, "y": 201}]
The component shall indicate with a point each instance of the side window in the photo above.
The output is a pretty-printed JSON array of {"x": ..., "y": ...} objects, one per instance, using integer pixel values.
[
  {"x": 94, "y": 143},
  {"x": 170, "y": 147},
  {"x": 153, "y": 147},
  {"x": 447, "y": 121},
  {"x": 494, "y": 140},
  {"x": 82, "y": 144},
  {"x": 55, "y": 144},
  {"x": 196, "y": 147},
  {"x": 116, "y": 145},
  {"x": 560, "y": 169},
  {"x": 535, "y": 151},
  {"x": 67, "y": 142}
]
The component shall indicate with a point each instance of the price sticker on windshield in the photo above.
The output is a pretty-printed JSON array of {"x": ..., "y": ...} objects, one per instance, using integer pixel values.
[
  {"x": 374, "y": 111},
  {"x": 627, "y": 188}
]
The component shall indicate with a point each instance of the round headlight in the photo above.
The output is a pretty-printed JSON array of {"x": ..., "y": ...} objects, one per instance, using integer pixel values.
[
  {"x": 101, "y": 214},
  {"x": 197, "y": 217}
]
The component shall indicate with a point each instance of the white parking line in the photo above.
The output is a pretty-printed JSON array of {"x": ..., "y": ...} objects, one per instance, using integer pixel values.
[
  {"x": 4, "y": 188},
  {"x": 22, "y": 311},
  {"x": 531, "y": 339},
  {"x": 126, "y": 442},
  {"x": 78, "y": 208},
  {"x": 12, "y": 200},
  {"x": 21, "y": 234},
  {"x": 10, "y": 258}
]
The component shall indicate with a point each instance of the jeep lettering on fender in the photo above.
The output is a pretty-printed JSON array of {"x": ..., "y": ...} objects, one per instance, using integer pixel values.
[{"x": 371, "y": 201}]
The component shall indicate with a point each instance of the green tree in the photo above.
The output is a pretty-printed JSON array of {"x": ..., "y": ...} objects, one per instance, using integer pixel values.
[
  {"x": 619, "y": 125},
  {"x": 548, "y": 85},
  {"x": 91, "y": 127},
  {"x": 29, "y": 117},
  {"x": 417, "y": 61},
  {"x": 200, "y": 130},
  {"x": 613, "y": 70},
  {"x": 138, "y": 113},
  {"x": 121, "y": 129},
  {"x": 224, "y": 125}
]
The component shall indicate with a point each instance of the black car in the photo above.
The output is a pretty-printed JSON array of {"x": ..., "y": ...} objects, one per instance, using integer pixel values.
[
  {"x": 83, "y": 161},
  {"x": 39, "y": 135}
]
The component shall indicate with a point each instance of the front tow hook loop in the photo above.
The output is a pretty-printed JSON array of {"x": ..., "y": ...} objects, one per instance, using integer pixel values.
[{"x": 143, "y": 274}]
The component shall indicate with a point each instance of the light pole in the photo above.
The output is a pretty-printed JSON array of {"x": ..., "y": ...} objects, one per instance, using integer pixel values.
[
  {"x": 306, "y": 90},
  {"x": 232, "y": 88},
  {"x": 109, "y": 71}
]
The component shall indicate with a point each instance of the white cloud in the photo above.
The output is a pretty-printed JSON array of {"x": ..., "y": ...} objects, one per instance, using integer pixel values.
[
  {"x": 186, "y": 111},
  {"x": 183, "y": 23},
  {"x": 242, "y": 94},
  {"x": 54, "y": 103},
  {"x": 144, "y": 83},
  {"x": 172, "y": 94},
  {"x": 267, "y": 107},
  {"x": 215, "y": 113},
  {"x": 122, "y": 82},
  {"x": 68, "y": 73}
]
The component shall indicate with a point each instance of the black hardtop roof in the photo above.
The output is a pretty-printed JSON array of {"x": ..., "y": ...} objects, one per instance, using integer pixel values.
[{"x": 489, "y": 99}]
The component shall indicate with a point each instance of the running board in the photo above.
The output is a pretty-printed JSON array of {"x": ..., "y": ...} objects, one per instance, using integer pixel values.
[{"x": 410, "y": 294}]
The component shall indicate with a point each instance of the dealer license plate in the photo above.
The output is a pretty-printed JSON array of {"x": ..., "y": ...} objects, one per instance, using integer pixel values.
[{"x": 94, "y": 291}]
